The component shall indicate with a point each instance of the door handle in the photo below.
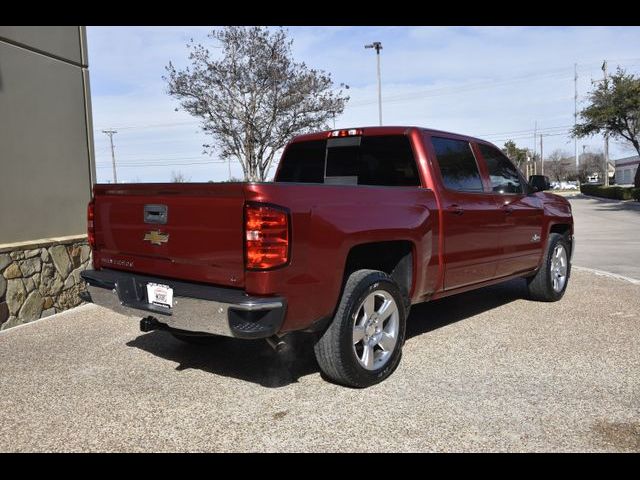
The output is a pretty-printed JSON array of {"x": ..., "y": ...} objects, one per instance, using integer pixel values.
[
  {"x": 155, "y": 214},
  {"x": 457, "y": 209},
  {"x": 508, "y": 209}
]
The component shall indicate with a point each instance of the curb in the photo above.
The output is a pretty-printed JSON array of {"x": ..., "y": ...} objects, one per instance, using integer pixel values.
[{"x": 602, "y": 273}]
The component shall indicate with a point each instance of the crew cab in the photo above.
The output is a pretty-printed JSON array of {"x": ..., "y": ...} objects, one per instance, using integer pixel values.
[{"x": 358, "y": 225}]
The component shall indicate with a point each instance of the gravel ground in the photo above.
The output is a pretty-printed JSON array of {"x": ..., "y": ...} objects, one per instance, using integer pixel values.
[{"x": 483, "y": 371}]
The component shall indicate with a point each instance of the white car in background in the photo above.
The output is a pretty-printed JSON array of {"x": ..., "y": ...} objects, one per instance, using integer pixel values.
[{"x": 564, "y": 185}]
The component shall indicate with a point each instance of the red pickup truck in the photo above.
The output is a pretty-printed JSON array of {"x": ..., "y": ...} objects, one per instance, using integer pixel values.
[{"x": 357, "y": 226}]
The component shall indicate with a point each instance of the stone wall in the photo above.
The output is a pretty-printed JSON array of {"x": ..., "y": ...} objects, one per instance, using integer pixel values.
[{"x": 38, "y": 282}]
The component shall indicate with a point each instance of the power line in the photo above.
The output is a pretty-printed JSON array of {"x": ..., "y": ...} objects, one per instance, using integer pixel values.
[
  {"x": 520, "y": 132},
  {"x": 157, "y": 125},
  {"x": 162, "y": 164}
]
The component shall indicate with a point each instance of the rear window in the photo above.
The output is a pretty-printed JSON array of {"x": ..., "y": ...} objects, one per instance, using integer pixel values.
[
  {"x": 303, "y": 162},
  {"x": 379, "y": 160},
  {"x": 458, "y": 165}
]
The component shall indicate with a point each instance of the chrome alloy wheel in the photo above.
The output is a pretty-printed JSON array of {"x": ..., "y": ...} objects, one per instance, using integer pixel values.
[
  {"x": 375, "y": 330},
  {"x": 558, "y": 270}
]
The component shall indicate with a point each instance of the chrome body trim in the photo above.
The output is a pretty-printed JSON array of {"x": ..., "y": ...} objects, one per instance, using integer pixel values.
[{"x": 211, "y": 315}]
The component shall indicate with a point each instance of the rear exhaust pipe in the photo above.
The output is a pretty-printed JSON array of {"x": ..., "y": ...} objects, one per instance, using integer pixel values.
[{"x": 279, "y": 345}]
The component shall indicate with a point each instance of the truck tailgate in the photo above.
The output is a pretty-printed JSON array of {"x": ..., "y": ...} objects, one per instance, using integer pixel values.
[{"x": 201, "y": 239}]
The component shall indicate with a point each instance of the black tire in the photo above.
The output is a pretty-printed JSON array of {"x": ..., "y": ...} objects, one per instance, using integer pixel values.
[
  {"x": 335, "y": 351},
  {"x": 540, "y": 286},
  {"x": 198, "y": 339}
]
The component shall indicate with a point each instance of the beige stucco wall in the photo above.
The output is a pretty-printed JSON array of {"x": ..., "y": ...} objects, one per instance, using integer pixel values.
[{"x": 46, "y": 145}]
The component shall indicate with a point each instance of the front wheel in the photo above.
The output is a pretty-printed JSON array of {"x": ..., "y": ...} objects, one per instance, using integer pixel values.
[
  {"x": 550, "y": 283},
  {"x": 363, "y": 344}
]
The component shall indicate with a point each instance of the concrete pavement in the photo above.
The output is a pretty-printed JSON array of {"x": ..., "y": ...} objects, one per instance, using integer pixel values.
[
  {"x": 483, "y": 371},
  {"x": 607, "y": 235}
]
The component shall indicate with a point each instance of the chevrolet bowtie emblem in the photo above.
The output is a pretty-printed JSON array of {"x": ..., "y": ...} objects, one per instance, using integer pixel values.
[{"x": 156, "y": 237}]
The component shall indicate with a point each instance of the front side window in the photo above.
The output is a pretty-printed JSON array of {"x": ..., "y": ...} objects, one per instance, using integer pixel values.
[
  {"x": 458, "y": 165},
  {"x": 504, "y": 176}
]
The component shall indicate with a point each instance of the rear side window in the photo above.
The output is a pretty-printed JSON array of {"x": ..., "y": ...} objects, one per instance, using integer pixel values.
[
  {"x": 504, "y": 176},
  {"x": 303, "y": 162},
  {"x": 458, "y": 166},
  {"x": 378, "y": 160}
]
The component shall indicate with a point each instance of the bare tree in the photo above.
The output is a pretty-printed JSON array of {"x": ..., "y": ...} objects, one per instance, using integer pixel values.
[
  {"x": 254, "y": 97},
  {"x": 556, "y": 165},
  {"x": 179, "y": 177}
]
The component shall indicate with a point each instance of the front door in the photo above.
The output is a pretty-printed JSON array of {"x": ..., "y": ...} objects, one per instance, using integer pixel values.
[{"x": 522, "y": 214}]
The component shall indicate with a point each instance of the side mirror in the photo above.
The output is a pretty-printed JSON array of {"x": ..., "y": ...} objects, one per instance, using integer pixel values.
[{"x": 539, "y": 183}]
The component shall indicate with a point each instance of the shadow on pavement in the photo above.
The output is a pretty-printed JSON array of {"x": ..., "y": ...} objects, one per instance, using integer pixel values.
[
  {"x": 250, "y": 360},
  {"x": 429, "y": 316},
  {"x": 254, "y": 360}
]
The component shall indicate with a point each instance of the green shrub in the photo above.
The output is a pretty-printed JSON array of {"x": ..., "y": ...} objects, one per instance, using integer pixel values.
[{"x": 615, "y": 192}]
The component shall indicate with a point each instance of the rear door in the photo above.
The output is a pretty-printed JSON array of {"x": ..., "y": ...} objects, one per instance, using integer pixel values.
[
  {"x": 470, "y": 220},
  {"x": 522, "y": 214}
]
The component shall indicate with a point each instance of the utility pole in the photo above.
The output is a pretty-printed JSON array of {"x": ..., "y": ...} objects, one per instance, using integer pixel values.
[
  {"x": 535, "y": 137},
  {"x": 575, "y": 111},
  {"x": 378, "y": 47},
  {"x": 541, "y": 157},
  {"x": 606, "y": 134},
  {"x": 110, "y": 133}
]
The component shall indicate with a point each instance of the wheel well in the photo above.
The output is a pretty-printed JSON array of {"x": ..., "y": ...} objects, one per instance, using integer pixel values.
[
  {"x": 562, "y": 229},
  {"x": 395, "y": 258}
]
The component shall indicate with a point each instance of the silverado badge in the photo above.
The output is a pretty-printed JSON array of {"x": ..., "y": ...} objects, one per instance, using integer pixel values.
[{"x": 156, "y": 237}]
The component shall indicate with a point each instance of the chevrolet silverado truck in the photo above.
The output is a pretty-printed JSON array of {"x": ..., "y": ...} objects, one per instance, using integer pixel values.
[{"x": 358, "y": 225}]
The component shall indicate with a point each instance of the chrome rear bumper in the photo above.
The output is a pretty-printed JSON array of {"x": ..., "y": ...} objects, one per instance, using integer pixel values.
[{"x": 196, "y": 308}]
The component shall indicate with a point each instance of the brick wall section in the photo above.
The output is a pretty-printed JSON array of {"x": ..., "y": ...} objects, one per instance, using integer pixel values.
[{"x": 38, "y": 282}]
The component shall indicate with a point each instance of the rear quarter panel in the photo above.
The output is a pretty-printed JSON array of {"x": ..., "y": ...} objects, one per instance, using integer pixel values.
[{"x": 326, "y": 222}]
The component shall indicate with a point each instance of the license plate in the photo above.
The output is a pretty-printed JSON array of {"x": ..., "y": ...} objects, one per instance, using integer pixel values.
[{"x": 161, "y": 295}]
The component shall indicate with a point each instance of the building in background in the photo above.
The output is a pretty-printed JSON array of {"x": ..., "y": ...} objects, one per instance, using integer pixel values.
[
  {"x": 46, "y": 170},
  {"x": 626, "y": 169}
]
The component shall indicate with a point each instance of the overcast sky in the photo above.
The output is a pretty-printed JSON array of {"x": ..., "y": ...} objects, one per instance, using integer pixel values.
[{"x": 490, "y": 82}]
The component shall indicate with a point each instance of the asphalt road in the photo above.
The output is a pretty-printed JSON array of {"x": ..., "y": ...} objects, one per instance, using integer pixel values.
[
  {"x": 607, "y": 235},
  {"x": 484, "y": 371}
]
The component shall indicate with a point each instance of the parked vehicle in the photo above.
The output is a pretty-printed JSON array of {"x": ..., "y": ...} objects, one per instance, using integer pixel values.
[
  {"x": 358, "y": 225},
  {"x": 564, "y": 185}
]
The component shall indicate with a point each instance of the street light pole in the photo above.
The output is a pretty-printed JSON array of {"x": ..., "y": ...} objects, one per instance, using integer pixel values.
[{"x": 378, "y": 47}]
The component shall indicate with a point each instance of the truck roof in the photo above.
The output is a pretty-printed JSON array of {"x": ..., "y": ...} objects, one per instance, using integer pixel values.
[{"x": 386, "y": 130}]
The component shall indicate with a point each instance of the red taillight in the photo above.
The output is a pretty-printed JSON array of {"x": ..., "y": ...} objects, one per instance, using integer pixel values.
[
  {"x": 266, "y": 231},
  {"x": 91, "y": 233},
  {"x": 345, "y": 133}
]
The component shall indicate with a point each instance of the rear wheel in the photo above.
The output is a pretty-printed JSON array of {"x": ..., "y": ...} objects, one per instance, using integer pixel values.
[
  {"x": 363, "y": 344},
  {"x": 550, "y": 283}
]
